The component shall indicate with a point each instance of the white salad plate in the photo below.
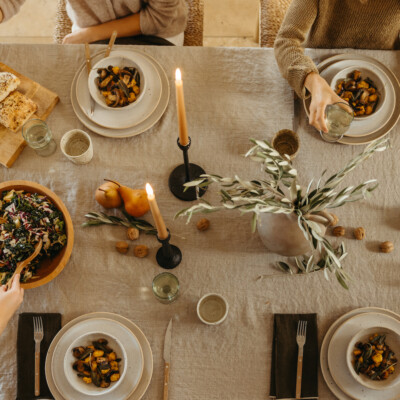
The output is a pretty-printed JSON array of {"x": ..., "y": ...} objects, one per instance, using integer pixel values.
[
  {"x": 363, "y": 392},
  {"x": 384, "y": 121},
  {"x": 141, "y": 127},
  {"x": 137, "y": 348},
  {"x": 119, "y": 118},
  {"x": 337, "y": 355}
]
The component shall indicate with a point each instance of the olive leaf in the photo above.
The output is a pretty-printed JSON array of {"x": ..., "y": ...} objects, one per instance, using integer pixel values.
[{"x": 95, "y": 219}]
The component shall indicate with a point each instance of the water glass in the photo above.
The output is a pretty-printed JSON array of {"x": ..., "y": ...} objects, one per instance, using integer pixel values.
[
  {"x": 338, "y": 117},
  {"x": 38, "y": 136},
  {"x": 166, "y": 287}
]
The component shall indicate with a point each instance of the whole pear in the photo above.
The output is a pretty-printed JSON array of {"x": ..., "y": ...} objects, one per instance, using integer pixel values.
[
  {"x": 107, "y": 195},
  {"x": 135, "y": 200}
]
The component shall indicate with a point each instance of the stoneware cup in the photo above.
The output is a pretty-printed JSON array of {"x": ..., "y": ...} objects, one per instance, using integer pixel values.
[
  {"x": 212, "y": 309},
  {"x": 77, "y": 146}
]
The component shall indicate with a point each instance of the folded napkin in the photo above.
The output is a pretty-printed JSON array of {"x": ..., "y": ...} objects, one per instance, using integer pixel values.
[
  {"x": 284, "y": 357},
  {"x": 26, "y": 354}
]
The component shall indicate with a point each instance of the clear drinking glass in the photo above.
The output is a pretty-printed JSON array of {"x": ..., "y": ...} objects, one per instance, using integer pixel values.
[
  {"x": 338, "y": 117},
  {"x": 38, "y": 136},
  {"x": 166, "y": 287}
]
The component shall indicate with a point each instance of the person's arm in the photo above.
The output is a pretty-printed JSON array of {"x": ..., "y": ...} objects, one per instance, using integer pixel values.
[
  {"x": 10, "y": 301},
  {"x": 299, "y": 70},
  {"x": 158, "y": 17},
  {"x": 8, "y": 8},
  {"x": 127, "y": 26}
]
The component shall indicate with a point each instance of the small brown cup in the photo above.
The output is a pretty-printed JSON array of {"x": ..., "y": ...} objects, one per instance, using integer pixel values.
[{"x": 286, "y": 142}]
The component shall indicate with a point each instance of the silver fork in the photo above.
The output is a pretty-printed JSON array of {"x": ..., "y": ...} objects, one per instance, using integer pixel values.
[
  {"x": 38, "y": 336},
  {"x": 301, "y": 341}
]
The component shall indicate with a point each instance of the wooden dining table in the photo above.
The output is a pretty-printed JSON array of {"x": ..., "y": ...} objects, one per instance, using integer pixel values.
[{"x": 231, "y": 95}]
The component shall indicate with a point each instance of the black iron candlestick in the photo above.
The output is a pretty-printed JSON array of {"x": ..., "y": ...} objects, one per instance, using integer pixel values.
[
  {"x": 168, "y": 256},
  {"x": 184, "y": 173}
]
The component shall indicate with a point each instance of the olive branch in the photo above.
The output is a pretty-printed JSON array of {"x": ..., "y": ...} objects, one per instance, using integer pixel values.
[{"x": 282, "y": 194}]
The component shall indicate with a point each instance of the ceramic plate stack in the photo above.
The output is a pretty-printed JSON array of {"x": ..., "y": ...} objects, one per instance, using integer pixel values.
[
  {"x": 365, "y": 129},
  {"x": 334, "y": 352},
  {"x": 136, "y": 366},
  {"x": 132, "y": 121}
]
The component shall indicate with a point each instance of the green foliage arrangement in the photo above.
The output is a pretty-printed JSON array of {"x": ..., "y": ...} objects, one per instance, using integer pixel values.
[{"x": 281, "y": 194}]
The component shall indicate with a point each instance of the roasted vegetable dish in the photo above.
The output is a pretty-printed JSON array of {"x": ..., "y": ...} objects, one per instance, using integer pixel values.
[
  {"x": 359, "y": 92},
  {"x": 25, "y": 218},
  {"x": 97, "y": 363},
  {"x": 374, "y": 359},
  {"x": 119, "y": 86}
]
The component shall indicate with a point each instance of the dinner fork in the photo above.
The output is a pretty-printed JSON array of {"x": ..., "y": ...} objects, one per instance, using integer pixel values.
[
  {"x": 301, "y": 341},
  {"x": 38, "y": 336}
]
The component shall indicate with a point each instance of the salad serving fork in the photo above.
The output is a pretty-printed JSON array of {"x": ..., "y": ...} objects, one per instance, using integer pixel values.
[
  {"x": 38, "y": 337},
  {"x": 301, "y": 341}
]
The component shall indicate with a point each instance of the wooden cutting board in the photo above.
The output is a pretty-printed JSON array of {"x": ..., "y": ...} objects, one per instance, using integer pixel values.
[{"x": 12, "y": 143}]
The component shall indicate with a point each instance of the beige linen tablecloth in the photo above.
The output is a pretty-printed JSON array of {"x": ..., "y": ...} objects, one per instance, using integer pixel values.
[{"x": 231, "y": 96}]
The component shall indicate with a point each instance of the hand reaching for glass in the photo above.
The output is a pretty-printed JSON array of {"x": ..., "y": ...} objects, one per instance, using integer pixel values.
[
  {"x": 321, "y": 95},
  {"x": 10, "y": 300}
]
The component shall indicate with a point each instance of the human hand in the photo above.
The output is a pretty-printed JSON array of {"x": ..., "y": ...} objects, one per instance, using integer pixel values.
[
  {"x": 321, "y": 95},
  {"x": 83, "y": 35},
  {"x": 10, "y": 300}
]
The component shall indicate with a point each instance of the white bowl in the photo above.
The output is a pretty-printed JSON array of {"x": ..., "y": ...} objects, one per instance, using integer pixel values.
[
  {"x": 86, "y": 340},
  {"x": 121, "y": 62},
  {"x": 212, "y": 309},
  {"x": 392, "y": 340},
  {"x": 365, "y": 73}
]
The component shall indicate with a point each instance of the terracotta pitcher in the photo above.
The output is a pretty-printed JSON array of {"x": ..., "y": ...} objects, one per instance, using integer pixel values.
[{"x": 281, "y": 233}]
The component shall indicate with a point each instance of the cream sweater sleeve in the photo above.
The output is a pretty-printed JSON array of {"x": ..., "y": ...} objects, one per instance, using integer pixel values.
[
  {"x": 163, "y": 17},
  {"x": 10, "y": 7},
  {"x": 289, "y": 53}
]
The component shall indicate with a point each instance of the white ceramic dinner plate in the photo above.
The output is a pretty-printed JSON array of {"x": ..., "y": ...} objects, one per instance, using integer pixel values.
[
  {"x": 111, "y": 328},
  {"x": 143, "y": 126},
  {"x": 133, "y": 386},
  {"x": 364, "y": 394},
  {"x": 337, "y": 353},
  {"x": 120, "y": 118},
  {"x": 376, "y": 131},
  {"x": 366, "y": 125}
]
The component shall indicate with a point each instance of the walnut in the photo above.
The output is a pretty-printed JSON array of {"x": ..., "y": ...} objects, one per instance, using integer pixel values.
[
  {"x": 141, "y": 251},
  {"x": 203, "y": 224},
  {"x": 335, "y": 219},
  {"x": 122, "y": 247},
  {"x": 339, "y": 231},
  {"x": 132, "y": 233},
  {"x": 386, "y": 247},
  {"x": 359, "y": 233}
]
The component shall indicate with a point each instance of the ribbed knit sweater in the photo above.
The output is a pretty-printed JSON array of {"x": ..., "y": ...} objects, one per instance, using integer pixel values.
[
  {"x": 163, "y": 18},
  {"x": 370, "y": 24}
]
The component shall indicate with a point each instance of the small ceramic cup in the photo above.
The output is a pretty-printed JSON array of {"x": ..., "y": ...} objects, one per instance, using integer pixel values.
[
  {"x": 77, "y": 146},
  {"x": 212, "y": 309},
  {"x": 287, "y": 142}
]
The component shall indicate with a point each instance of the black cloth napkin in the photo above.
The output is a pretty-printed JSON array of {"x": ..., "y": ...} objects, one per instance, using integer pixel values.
[
  {"x": 26, "y": 354},
  {"x": 284, "y": 357}
]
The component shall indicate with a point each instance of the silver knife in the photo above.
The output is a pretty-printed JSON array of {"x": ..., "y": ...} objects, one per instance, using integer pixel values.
[{"x": 167, "y": 358}]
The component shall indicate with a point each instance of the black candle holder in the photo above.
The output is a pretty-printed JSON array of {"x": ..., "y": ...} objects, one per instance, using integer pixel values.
[
  {"x": 168, "y": 256},
  {"x": 184, "y": 173}
]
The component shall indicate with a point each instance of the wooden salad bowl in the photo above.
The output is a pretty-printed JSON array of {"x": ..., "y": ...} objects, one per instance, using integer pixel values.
[{"x": 49, "y": 268}]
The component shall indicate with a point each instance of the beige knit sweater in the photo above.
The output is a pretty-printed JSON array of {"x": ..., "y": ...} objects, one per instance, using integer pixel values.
[
  {"x": 371, "y": 24},
  {"x": 163, "y": 18}
]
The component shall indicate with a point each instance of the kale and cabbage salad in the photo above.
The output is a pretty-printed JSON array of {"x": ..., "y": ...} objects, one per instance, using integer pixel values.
[{"x": 25, "y": 218}]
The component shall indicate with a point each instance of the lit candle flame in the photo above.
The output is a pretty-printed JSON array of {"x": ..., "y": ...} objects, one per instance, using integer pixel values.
[
  {"x": 149, "y": 190},
  {"x": 178, "y": 75}
]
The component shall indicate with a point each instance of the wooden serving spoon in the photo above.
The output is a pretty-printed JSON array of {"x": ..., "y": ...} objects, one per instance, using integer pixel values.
[{"x": 21, "y": 265}]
